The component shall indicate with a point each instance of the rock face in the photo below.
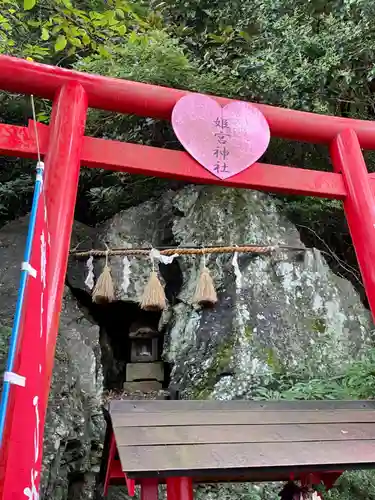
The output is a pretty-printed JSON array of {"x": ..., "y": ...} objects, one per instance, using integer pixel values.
[
  {"x": 74, "y": 426},
  {"x": 277, "y": 312},
  {"x": 281, "y": 311}
]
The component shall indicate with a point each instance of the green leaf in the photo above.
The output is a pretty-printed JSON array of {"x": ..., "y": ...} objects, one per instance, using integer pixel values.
[
  {"x": 216, "y": 38},
  {"x": 60, "y": 43},
  {"x": 74, "y": 31},
  {"x": 29, "y": 4},
  {"x": 120, "y": 14},
  {"x": 245, "y": 35},
  {"x": 133, "y": 38},
  {"x": 56, "y": 29},
  {"x": 86, "y": 39},
  {"x": 121, "y": 29},
  {"x": 103, "y": 51},
  {"x": 75, "y": 41},
  {"x": 41, "y": 117},
  {"x": 45, "y": 34}
]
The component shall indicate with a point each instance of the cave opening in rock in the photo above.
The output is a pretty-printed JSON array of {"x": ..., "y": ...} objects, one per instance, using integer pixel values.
[{"x": 131, "y": 345}]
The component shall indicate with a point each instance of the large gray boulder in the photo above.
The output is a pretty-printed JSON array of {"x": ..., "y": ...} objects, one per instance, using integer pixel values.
[{"x": 286, "y": 310}]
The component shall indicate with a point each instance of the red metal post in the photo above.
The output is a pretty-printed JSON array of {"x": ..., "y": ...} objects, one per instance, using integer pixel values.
[
  {"x": 359, "y": 205},
  {"x": 179, "y": 488},
  {"x": 62, "y": 165}
]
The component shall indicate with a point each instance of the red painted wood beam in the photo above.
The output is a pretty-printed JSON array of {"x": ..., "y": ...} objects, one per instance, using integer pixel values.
[
  {"x": 359, "y": 205},
  {"x": 158, "y": 162},
  {"x": 27, "y": 406},
  {"x": 25, "y": 77},
  {"x": 111, "y": 465},
  {"x": 62, "y": 167}
]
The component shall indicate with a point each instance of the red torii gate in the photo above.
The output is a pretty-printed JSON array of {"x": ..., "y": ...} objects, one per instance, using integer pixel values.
[{"x": 64, "y": 148}]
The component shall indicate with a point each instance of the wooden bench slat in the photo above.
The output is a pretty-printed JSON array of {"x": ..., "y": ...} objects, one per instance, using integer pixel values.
[
  {"x": 236, "y": 456},
  {"x": 241, "y": 418},
  {"x": 153, "y": 406},
  {"x": 149, "y": 436}
]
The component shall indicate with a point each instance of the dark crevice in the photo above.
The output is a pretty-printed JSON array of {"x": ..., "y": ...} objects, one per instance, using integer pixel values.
[
  {"x": 174, "y": 279},
  {"x": 72, "y": 444},
  {"x": 76, "y": 482},
  {"x": 171, "y": 273},
  {"x": 116, "y": 321}
]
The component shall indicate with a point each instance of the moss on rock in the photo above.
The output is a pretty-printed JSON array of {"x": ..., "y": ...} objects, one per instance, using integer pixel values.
[{"x": 218, "y": 366}]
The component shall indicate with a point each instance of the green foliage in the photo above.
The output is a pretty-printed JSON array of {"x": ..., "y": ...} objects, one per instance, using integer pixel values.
[
  {"x": 154, "y": 57},
  {"x": 358, "y": 485},
  {"x": 357, "y": 382},
  {"x": 42, "y": 29},
  {"x": 316, "y": 55}
]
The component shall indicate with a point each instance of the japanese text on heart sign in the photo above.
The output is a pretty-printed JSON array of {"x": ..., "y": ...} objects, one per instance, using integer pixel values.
[{"x": 221, "y": 152}]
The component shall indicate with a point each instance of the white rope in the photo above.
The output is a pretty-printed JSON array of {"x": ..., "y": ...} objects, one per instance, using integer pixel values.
[{"x": 36, "y": 130}]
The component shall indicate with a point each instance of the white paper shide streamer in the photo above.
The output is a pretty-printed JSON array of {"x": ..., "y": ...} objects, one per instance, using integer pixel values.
[
  {"x": 126, "y": 272},
  {"x": 89, "y": 281},
  {"x": 237, "y": 272},
  {"x": 164, "y": 259}
]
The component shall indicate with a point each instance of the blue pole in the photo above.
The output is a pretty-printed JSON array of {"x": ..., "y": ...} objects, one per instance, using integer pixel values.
[{"x": 20, "y": 298}]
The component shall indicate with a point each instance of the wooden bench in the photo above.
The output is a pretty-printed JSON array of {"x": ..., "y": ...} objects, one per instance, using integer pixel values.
[{"x": 212, "y": 441}]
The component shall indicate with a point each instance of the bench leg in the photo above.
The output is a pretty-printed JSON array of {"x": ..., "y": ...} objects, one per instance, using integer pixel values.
[
  {"x": 179, "y": 488},
  {"x": 149, "y": 489}
]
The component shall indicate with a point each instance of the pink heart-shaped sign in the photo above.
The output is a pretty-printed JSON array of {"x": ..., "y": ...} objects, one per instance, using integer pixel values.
[{"x": 225, "y": 140}]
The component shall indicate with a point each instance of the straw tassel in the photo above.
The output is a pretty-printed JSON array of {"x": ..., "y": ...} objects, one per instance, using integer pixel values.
[
  {"x": 153, "y": 298},
  {"x": 205, "y": 293},
  {"x": 104, "y": 288}
]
